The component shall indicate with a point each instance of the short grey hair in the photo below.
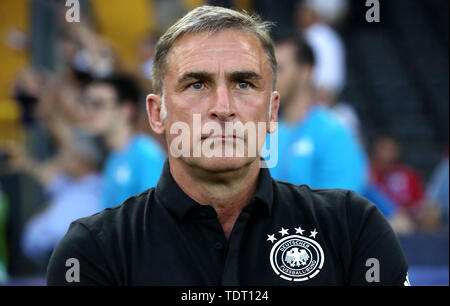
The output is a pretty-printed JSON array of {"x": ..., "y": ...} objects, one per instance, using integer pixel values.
[{"x": 211, "y": 19}]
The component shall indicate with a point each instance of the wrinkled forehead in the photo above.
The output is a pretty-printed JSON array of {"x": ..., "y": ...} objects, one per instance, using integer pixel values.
[{"x": 226, "y": 49}]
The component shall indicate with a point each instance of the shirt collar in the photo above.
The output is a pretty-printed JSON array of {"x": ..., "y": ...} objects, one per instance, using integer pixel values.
[{"x": 179, "y": 203}]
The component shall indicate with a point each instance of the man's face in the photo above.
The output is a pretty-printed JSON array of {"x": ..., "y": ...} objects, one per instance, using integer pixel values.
[
  {"x": 386, "y": 153},
  {"x": 288, "y": 71},
  {"x": 102, "y": 108},
  {"x": 73, "y": 164},
  {"x": 225, "y": 78}
]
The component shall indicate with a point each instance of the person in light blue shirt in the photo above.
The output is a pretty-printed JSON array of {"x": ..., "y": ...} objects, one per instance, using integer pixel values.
[
  {"x": 131, "y": 170},
  {"x": 438, "y": 189},
  {"x": 314, "y": 148},
  {"x": 321, "y": 153},
  {"x": 135, "y": 160}
]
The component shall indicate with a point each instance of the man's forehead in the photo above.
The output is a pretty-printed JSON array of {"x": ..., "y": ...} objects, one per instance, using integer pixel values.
[{"x": 206, "y": 51}]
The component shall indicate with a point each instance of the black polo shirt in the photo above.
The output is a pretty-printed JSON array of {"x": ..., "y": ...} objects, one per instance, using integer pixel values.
[{"x": 287, "y": 235}]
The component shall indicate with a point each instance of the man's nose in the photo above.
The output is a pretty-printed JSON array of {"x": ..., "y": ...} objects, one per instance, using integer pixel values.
[{"x": 223, "y": 107}]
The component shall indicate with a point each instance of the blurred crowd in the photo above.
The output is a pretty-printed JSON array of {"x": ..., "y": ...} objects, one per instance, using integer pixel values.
[{"x": 89, "y": 146}]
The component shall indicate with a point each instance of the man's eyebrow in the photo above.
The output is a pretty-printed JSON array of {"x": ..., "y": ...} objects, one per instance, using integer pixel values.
[
  {"x": 196, "y": 75},
  {"x": 245, "y": 75}
]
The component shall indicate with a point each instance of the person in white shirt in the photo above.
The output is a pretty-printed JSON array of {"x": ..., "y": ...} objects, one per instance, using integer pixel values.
[{"x": 315, "y": 19}]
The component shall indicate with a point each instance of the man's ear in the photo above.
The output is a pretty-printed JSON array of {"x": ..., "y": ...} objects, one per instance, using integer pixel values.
[
  {"x": 154, "y": 113},
  {"x": 273, "y": 120}
]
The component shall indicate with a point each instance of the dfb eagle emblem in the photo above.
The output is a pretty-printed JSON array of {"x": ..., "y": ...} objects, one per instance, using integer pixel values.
[{"x": 294, "y": 257}]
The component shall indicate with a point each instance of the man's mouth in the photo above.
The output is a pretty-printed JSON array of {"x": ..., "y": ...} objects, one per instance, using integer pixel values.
[{"x": 222, "y": 137}]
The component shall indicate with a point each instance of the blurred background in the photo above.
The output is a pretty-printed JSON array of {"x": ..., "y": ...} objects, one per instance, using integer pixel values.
[{"x": 74, "y": 137}]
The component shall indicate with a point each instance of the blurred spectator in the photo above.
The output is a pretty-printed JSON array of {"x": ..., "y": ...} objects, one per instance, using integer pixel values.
[
  {"x": 136, "y": 160},
  {"x": 93, "y": 55},
  {"x": 400, "y": 221},
  {"x": 3, "y": 245},
  {"x": 400, "y": 188},
  {"x": 347, "y": 115},
  {"x": 313, "y": 18},
  {"x": 397, "y": 180},
  {"x": 26, "y": 92},
  {"x": 314, "y": 147},
  {"x": 72, "y": 185},
  {"x": 437, "y": 189},
  {"x": 145, "y": 52},
  {"x": 168, "y": 12}
]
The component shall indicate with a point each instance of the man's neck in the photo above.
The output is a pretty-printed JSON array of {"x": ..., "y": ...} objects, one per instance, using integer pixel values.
[
  {"x": 227, "y": 192},
  {"x": 298, "y": 106}
]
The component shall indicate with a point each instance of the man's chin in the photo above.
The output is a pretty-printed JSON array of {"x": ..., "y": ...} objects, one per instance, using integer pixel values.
[{"x": 220, "y": 164}]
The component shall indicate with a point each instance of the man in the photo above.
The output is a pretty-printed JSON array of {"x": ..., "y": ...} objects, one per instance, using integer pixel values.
[
  {"x": 72, "y": 185},
  {"x": 223, "y": 220},
  {"x": 400, "y": 182},
  {"x": 4, "y": 207},
  {"x": 314, "y": 148},
  {"x": 313, "y": 18},
  {"x": 316, "y": 18},
  {"x": 136, "y": 160},
  {"x": 438, "y": 188},
  {"x": 398, "y": 185}
]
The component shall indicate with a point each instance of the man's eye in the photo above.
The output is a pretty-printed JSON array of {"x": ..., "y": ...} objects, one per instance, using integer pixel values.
[
  {"x": 243, "y": 85},
  {"x": 197, "y": 85}
]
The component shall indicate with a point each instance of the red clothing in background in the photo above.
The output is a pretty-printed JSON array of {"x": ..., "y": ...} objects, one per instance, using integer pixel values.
[{"x": 402, "y": 184}]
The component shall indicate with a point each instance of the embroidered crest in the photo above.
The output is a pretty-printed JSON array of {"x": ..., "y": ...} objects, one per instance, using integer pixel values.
[{"x": 296, "y": 257}]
